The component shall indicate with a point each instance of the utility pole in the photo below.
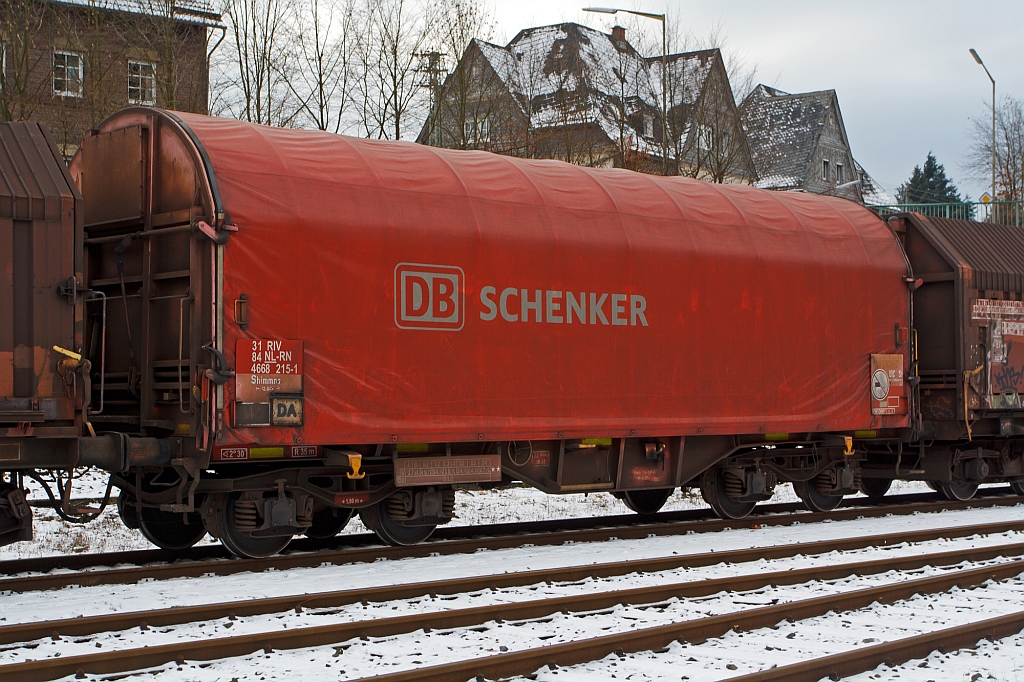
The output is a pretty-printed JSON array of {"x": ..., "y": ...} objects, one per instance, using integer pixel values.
[{"x": 432, "y": 64}]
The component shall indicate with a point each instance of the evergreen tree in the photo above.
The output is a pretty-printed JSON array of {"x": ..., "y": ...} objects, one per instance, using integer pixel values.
[{"x": 929, "y": 186}]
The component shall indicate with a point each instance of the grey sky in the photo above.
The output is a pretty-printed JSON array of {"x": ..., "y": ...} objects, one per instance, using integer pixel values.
[{"x": 905, "y": 80}]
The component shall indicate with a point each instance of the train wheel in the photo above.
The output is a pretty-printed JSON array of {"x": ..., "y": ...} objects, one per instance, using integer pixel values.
[
  {"x": 814, "y": 499},
  {"x": 1017, "y": 487},
  {"x": 128, "y": 510},
  {"x": 647, "y": 501},
  {"x": 933, "y": 485},
  {"x": 955, "y": 492},
  {"x": 712, "y": 489},
  {"x": 168, "y": 530},
  {"x": 375, "y": 517},
  {"x": 875, "y": 488},
  {"x": 219, "y": 514},
  {"x": 328, "y": 522}
]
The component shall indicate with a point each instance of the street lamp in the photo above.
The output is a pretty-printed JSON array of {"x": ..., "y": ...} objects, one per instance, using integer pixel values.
[
  {"x": 978, "y": 59},
  {"x": 664, "y": 70}
]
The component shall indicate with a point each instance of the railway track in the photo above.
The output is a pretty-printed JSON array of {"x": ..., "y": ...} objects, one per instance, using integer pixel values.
[
  {"x": 1011, "y": 556},
  {"x": 525, "y": 662},
  {"x": 466, "y": 539}
]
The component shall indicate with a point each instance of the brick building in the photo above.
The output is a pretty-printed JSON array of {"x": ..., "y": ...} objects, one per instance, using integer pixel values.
[{"x": 71, "y": 63}]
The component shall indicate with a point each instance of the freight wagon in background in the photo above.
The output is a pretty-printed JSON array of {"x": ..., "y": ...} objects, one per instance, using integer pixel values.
[{"x": 259, "y": 332}]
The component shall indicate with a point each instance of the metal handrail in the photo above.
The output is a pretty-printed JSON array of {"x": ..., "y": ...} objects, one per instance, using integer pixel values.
[{"x": 1002, "y": 212}]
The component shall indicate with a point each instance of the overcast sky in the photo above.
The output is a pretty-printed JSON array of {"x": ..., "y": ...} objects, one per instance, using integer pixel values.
[{"x": 906, "y": 82}]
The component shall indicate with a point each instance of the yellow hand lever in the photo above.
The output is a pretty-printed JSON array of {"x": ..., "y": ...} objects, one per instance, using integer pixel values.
[{"x": 77, "y": 357}]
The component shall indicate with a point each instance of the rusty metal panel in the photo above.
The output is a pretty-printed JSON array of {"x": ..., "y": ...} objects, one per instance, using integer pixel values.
[
  {"x": 38, "y": 250},
  {"x": 993, "y": 253},
  {"x": 112, "y": 176},
  {"x": 967, "y": 313}
]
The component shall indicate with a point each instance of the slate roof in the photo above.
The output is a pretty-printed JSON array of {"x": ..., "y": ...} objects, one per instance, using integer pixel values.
[
  {"x": 782, "y": 131},
  {"x": 870, "y": 190},
  {"x": 547, "y": 61}
]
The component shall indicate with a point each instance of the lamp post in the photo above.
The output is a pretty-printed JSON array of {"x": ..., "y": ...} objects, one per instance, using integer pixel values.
[
  {"x": 978, "y": 59},
  {"x": 664, "y": 71}
]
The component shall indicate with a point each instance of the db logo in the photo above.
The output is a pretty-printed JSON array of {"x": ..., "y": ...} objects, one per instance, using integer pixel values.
[{"x": 429, "y": 296}]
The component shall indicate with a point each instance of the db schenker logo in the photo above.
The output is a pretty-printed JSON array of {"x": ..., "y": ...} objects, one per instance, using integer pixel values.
[{"x": 429, "y": 296}]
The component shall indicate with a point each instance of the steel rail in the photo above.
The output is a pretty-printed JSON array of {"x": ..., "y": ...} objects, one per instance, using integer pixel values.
[
  {"x": 763, "y": 515},
  {"x": 90, "y": 625},
  {"x": 519, "y": 662},
  {"x": 695, "y": 631},
  {"x": 115, "y": 576},
  {"x": 892, "y": 653}
]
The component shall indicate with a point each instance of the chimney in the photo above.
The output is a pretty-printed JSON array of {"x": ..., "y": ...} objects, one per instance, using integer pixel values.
[{"x": 619, "y": 34}]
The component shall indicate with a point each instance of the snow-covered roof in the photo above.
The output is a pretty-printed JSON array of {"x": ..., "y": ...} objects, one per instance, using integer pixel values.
[
  {"x": 872, "y": 192},
  {"x": 192, "y": 11},
  {"x": 783, "y": 129},
  {"x": 604, "y": 81}
]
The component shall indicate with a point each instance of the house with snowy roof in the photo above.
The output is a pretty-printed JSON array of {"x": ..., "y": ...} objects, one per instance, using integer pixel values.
[
  {"x": 799, "y": 143},
  {"x": 71, "y": 63},
  {"x": 574, "y": 93}
]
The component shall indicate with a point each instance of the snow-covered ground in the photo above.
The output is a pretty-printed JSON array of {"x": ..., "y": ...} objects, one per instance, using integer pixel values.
[
  {"x": 107, "y": 534},
  {"x": 709, "y": 661},
  {"x": 748, "y": 652}
]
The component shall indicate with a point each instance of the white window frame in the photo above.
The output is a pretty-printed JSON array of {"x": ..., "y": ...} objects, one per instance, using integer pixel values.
[
  {"x": 148, "y": 101},
  {"x": 824, "y": 170},
  {"x": 476, "y": 130},
  {"x": 81, "y": 74},
  {"x": 839, "y": 173}
]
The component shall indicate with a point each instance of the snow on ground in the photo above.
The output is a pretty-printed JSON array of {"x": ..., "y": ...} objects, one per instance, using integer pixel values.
[
  {"x": 716, "y": 659},
  {"x": 509, "y": 505},
  {"x": 748, "y": 652},
  {"x": 100, "y": 599},
  {"x": 375, "y": 655}
]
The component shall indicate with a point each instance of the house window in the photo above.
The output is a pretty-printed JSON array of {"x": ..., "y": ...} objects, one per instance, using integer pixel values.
[
  {"x": 477, "y": 130},
  {"x": 705, "y": 138},
  {"x": 67, "y": 74},
  {"x": 824, "y": 170},
  {"x": 839, "y": 173},
  {"x": 141, "y": 83}
]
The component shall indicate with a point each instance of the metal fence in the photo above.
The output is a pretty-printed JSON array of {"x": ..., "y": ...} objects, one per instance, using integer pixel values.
[{"x": 1002, "y": 212}]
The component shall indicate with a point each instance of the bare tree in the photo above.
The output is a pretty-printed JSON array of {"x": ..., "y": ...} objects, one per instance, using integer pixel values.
[
  {"x": 705, "y": 139},
  {"x": 394, "y": 33},
  {"x": 467, "y": 114},
  {"x": 1009, "y": 150},
  {"x": 259, "y": 63},
  {"x": 325, "y": 47},
  {"x": 716, "y": 148},
  {"x": 24, "y": 76}
]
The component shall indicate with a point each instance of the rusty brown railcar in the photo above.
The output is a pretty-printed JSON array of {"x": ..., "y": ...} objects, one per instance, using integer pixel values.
[{"x": 969, "y": 323}]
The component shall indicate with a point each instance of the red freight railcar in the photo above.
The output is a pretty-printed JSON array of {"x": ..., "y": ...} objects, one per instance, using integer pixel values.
[{"x": 300, "y": 324}]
